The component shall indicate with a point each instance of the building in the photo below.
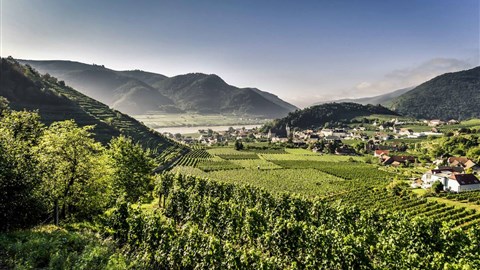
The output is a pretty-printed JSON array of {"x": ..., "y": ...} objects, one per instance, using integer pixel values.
[
  {"x": 434, "y": 175},
  {"x": 379, "y": 153},
  {"x": 462, "y": 182},
  {"x": 397, "y": 160}
]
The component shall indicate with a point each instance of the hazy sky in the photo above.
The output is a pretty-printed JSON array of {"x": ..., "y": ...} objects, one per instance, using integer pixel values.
[{"x": 303, "y": 51}]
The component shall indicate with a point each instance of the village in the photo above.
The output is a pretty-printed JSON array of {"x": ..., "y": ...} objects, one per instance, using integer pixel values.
[{"x": 385, "y": 141}]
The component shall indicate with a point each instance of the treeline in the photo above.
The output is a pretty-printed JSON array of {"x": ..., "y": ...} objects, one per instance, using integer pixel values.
[
  {"x": 212, "y": 225},
  {"x": 459, "y": 145},
  {"x": 61, "y": 171}
]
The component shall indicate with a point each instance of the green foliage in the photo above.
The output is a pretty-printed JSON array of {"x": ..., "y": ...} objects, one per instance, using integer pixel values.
[
  {"x": 214, "y": 225},
  {"x": 238, "y": 145},
  {"x": 452, "y": 95},
  {"x": 131, "y": 168},
  {"x": 20, "y": 200},
  {"x": 27, "y": 89},
  {"x": 455, "y": 146},
  {"x": 437, "y": 187},
  {"x": 73, "y": 169},
  {"x": 51, "y": 247},
  {"x": 319, "y": 115},
  {"x": 3, "y": 104}
]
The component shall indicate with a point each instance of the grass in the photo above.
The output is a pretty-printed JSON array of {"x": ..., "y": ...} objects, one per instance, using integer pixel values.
[{"x": 255, "y": 164}]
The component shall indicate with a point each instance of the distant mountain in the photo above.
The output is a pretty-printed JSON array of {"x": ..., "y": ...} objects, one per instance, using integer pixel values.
[
  {"x": 384, "y": 99},
  {"x": 275, "y": 99},
  {"x": 210, "y": 94},
  {"x": 452, "y": 95},
  {"x": 25, "y": 88},
  {"x": 124, "y": 93},
  {"x": 137, "y": 92},
  {"x": 319, "y": 115}
]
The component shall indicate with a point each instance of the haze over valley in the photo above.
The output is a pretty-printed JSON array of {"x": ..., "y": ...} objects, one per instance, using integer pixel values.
[{"x": 240, "y": 134}]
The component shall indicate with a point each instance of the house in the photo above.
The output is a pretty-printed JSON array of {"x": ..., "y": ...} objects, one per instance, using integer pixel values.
[
  {"x": 379, "y": 153},
  {"x": 326, "y": 132},
  {"x": 340, "y": 133},
  {"x": 434, "y": 175},
  {"x": 405, "y": 131},
  {"x": 452, "y": 122},
  {"x": 279, "y": 140},
  {"x": 462, "y": 182},
  {"x": 397, "y": 160},
  {"x": 435, "y": 122},
  {"x": 332, "y": 138},
  {"x": 465, "y": 163}
]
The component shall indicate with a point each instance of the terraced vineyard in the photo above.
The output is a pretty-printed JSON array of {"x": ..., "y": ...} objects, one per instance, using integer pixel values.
[
  {"x": 337, "y": 179},
  {"x": 57, "y": 102},
  {"x": 467, "y": 197},
  {"x": 409, "y": 205}
]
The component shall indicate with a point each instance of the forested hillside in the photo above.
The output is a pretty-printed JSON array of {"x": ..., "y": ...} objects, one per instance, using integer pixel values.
[
  {"x": 25, "y": 88},
  {"x": 136, "y": 91},
  {"x": 319, "y": 115},
  {"x": 449, "y": 96}
]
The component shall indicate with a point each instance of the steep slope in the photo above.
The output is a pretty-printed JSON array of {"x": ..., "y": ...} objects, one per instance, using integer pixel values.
[
  {"x": 124, "y": 93},
  {"x": 452, "y": 95},
  {"x": 317, "y": 116},
  {"x": 384, "y": 99},
  {"x": 210, "y": 94},
  {"x": 137, "y": 92},
  {"x": 275, "y": 99},
  {"x": 25, "y": 88}
]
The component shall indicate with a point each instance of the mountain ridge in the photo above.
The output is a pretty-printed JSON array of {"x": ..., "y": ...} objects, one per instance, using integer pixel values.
[
  {"x": 25, "y": 88},
  {"x": 137, "y": 91},
  {"x": 453, "y": 95}
]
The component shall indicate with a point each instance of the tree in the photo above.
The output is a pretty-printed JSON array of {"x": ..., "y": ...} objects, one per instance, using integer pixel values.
[
  {"x": 437, "y": 186},
  {"x": 132, "y": 168},
  {"x": 3, "y": 105},
  {"x": 238, "y": 145},
  {"x": 73, "y": 169},
  {"x": 20, "y": 201}
]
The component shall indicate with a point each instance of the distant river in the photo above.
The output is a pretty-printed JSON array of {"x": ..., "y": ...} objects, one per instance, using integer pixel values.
[{"x": 186, "y": 130}]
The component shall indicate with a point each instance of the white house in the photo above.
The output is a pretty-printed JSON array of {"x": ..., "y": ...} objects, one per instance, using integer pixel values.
[
  {"x": 436, "y": 175},
  {"x": 462, "y": 182},
  {"x": 326, "y": 132}
]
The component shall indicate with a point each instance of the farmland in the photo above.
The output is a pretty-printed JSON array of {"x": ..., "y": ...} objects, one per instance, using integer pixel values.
[{"x": 335, "y": 179}]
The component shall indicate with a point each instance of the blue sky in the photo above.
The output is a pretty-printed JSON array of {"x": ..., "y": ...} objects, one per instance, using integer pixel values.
[{"x": 303, "y": 51}]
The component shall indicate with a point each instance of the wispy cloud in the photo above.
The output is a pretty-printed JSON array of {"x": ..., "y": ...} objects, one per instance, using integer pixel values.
[{"x": 407, "y": 77}]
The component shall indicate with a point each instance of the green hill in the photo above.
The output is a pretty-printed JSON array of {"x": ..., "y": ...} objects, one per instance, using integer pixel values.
[
  {"x": 124, "y": 93},
  {"x": 137, "y": 92},
  {"x": 452, "y": 95},
  {"x": 319, "y": 115},
  {"x": 25, "y": 88},
  {"x": 384, "y": 99}
]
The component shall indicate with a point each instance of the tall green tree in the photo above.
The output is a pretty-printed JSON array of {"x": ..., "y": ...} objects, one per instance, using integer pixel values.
[
  {"x": 131, "y": 167},
  {"x": 74, "y": 169},
  {"x": 20, "y": 203}
]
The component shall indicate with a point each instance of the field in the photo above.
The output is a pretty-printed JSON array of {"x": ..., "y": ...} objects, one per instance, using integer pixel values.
[{"x": 335, "y": 179}]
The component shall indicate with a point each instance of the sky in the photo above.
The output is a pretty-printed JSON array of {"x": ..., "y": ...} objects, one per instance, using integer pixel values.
[{"x": 302, "y": 51}]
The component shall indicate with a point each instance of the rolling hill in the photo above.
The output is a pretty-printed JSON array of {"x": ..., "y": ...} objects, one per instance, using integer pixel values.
[
  {"x": 384, "y": 99},
  {"x": 25, "y": 88},
  {"x": 124, "y": 93},
  {"x": 452, "y": 95},
  {"x": 319, "y": 115},
  {"x": 137, "y": 92}
]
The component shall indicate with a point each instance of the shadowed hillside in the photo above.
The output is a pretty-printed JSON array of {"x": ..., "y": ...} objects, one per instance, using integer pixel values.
[{"x": 25, "y": 88}]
